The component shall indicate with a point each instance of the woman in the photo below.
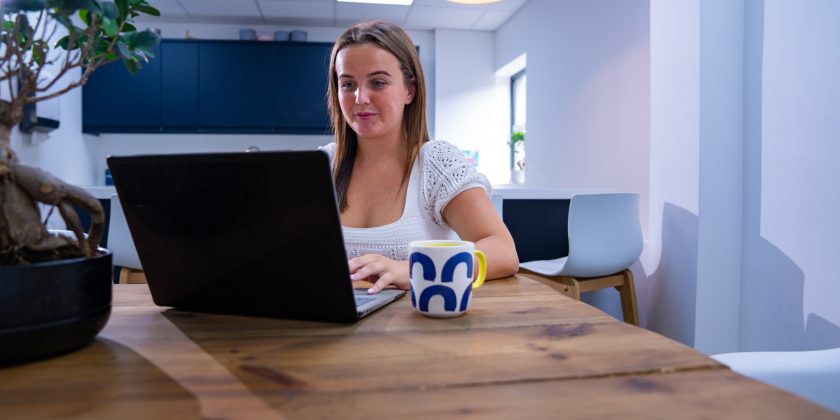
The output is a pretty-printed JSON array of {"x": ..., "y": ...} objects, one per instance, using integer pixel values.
[{"x": 393, "y": 185}]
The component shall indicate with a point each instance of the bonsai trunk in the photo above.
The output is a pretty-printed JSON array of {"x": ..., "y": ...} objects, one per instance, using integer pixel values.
[{"x": 23, "y": 236}]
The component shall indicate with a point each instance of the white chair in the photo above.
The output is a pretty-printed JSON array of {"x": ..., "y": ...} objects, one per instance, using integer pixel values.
[
  {"x": 605, "y": 239},
  {"x": 498, "y": 203},
  {"x": 121, "y": 245},
  {"x": 814, "y": 374}
]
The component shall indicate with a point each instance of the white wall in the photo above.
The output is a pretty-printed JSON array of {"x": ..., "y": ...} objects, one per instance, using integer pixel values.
[
  {"x": 791, "y": 248},
  {"x": 588, "y": 97},
  {"x": 722, "y": 104},
  {"x": 65, "y": 153},
  {"x": 468, "y": 112},
  {"x": 667, "y": 296},
  {"x": 588, "y": 94},
  {"x": 744, "y": 126}
]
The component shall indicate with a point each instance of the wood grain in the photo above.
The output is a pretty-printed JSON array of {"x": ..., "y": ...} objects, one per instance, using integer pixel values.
[
  {"x": 718, "y": 394},
  {"x": 522, "y": 351}
]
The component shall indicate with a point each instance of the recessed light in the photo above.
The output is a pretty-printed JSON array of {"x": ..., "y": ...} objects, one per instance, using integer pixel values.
[
  {"x": 474, "y": 1},
  {"x": 394, "y": 2}
]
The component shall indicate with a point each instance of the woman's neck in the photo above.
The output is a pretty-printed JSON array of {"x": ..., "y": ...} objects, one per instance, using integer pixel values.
[{"x": 380, "y": 150}]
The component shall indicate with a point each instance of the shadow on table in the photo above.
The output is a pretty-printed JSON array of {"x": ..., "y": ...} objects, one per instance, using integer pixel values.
[{"x": 103, "y": 380}]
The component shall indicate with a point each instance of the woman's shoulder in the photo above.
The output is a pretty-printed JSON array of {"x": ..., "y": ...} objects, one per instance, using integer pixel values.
[
  {"x": 438, "y": 155},
  {"x": 439, "y": 148},
  {"x": 446, "y": 173},
  {"x": 444, "y": 162}
]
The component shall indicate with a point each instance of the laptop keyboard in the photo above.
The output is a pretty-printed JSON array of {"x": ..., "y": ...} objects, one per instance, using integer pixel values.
[{"x": 361, "y": 300}]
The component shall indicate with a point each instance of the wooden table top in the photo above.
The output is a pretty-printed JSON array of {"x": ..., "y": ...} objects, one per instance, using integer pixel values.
[{"x": 523, "y": 351}]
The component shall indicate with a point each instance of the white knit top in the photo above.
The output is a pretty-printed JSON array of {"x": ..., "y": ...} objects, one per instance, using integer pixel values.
[{"x": 445, "y": 174}]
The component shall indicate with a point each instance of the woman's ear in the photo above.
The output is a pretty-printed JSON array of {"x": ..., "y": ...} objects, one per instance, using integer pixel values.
[{"x": 412, "y": 89}]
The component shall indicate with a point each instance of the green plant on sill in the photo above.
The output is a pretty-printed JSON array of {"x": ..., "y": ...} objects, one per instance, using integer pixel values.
[
  {"x": 96, "y": 33},
  {"x": 516, "y": 137}
]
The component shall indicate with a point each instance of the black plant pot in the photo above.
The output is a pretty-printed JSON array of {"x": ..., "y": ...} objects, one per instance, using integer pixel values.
[{"x": 53, "y": 307}]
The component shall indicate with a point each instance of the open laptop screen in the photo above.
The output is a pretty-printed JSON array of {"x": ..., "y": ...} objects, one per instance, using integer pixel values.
[{"x": 243, "y": 233}]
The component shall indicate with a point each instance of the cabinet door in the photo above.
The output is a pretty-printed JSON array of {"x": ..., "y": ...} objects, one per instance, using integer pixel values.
[
  {"x": 114, "y": 100},
  {"x": 300, "y": 88},
  {"x": 235, "y": 87},
  {"x": 179, "y": 86}
]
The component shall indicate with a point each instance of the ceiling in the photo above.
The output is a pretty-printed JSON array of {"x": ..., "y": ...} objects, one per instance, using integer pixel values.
[{"x": 421, "y": 15}]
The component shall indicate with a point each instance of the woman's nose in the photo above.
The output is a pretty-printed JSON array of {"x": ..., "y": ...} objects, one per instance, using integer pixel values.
[{"x": 362, "y": 96}]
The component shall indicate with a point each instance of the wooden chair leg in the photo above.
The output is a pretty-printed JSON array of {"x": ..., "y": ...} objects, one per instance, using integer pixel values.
[
  {"x": 572, "y": 288},
  {"x": 129, "y": 276},
  {"x": 123, "y": 276},
  {"x": 627, "y": 292},
  {"x": 622, "y": 282}
]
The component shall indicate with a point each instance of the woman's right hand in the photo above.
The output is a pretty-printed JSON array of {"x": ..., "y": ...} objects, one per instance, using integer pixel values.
[{"x": 379, "y": 270}]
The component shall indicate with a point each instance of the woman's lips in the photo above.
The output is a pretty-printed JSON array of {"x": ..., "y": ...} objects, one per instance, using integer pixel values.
[{"x": 365, "y": 115}]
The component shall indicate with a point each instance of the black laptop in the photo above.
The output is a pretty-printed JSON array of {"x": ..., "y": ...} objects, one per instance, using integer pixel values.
[{"x": 241, "y": 233}]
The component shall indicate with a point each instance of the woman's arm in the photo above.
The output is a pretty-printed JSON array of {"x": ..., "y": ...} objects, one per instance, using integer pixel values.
[{"x": 473, "y": 217}]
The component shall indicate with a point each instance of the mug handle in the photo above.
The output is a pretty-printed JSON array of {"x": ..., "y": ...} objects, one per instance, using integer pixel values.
[{"x": 482, "y": 269}]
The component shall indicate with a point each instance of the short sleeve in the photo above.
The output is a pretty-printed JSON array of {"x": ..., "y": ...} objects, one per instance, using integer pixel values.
[
  {"x": 446, "y": 173},
  {"x": 329, "y": 149}
]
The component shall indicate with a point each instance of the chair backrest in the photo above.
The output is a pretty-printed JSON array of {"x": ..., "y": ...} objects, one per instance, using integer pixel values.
[
  {"x": 605, "y": 236},
  {"x": 120, "y": 241},
  {"x": 497, "y": 200}
]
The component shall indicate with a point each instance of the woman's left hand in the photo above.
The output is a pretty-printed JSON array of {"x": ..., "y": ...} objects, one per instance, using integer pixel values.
[{"x": 379, "y": 270}]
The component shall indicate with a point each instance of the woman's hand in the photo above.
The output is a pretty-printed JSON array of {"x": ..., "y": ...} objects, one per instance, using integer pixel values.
[{"x": 379, "y": 270}]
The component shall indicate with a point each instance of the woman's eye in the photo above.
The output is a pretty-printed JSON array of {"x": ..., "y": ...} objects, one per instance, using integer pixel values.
[
  {"x": 379, "y": 83},
  {"x": 348, "y": 86}
]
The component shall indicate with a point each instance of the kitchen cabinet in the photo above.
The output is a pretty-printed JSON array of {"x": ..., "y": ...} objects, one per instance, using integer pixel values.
[
  {"x": 114, "y": 100},
  {"x": 234, "y": 86},
  {"x": 299, "y": 90},
  {"x": 203, "y": 86},
  {"x": 179, "y": 86}
]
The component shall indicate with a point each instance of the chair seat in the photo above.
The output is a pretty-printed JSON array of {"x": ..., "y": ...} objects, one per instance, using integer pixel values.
[
  {"x": 546, "y": 267},
  {"x": 813, "y": 374},
  {"x": 605, "y": 238}
]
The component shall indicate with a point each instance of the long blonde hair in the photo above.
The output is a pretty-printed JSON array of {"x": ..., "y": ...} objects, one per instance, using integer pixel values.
[{"x": 396, "y": 41}]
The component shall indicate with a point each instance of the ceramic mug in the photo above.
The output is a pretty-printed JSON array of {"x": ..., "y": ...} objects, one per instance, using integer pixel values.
[{"x": 441, "y": 274}]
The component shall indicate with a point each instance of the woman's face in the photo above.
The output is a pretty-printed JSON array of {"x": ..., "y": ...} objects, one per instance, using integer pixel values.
[{"x": 372, "y": 91}]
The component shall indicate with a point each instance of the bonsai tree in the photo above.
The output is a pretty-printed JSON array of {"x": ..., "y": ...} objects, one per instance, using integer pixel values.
[{"x": 89, "y": 34}]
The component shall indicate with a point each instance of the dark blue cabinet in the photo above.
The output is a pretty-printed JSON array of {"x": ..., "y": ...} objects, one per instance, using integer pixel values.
[
  {"x": 300, "y": 86},
  {"x": 200, "y": 86},
  {"x": 179, "y": 86},
  {"x": 235, "y": 86},
  {"x": 114, "y": 99}
]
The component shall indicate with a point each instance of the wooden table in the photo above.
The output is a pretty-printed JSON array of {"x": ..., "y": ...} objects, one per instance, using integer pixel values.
[{"x": 523, "y": 351}]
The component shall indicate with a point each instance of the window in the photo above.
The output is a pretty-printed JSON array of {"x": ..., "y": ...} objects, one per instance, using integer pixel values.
[{"x": 517, "y": 130}]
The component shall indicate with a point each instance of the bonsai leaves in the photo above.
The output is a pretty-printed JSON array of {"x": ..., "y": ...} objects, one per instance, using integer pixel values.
[{"x": 99, "y": 31}]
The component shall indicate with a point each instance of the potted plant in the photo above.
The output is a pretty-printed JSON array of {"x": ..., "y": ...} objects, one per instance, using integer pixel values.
[
  {"x": 55, "y": 290},
  {"x": 517, "y": 156}
]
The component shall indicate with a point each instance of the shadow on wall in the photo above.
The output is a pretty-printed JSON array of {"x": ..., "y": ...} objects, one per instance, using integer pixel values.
[
  {"x": 773, "y": 305},
  {"x": 667, "y": 297}
]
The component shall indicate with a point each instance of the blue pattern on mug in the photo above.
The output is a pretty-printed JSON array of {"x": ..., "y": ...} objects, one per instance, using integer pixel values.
[
  {"x": 447, "y": 276},
  {"x": 429, "y": 272},
  {"x": 449, "y": 298},
  {"x": 449, "y": 268},
  {"x": 466, "y": 298}
]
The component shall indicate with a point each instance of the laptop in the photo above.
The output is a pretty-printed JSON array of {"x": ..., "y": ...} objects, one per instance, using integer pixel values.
[{"x": 242, "y": 233}]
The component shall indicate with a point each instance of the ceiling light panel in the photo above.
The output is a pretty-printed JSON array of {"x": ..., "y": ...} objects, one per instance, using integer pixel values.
[{"x": 391, "y": 2}]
